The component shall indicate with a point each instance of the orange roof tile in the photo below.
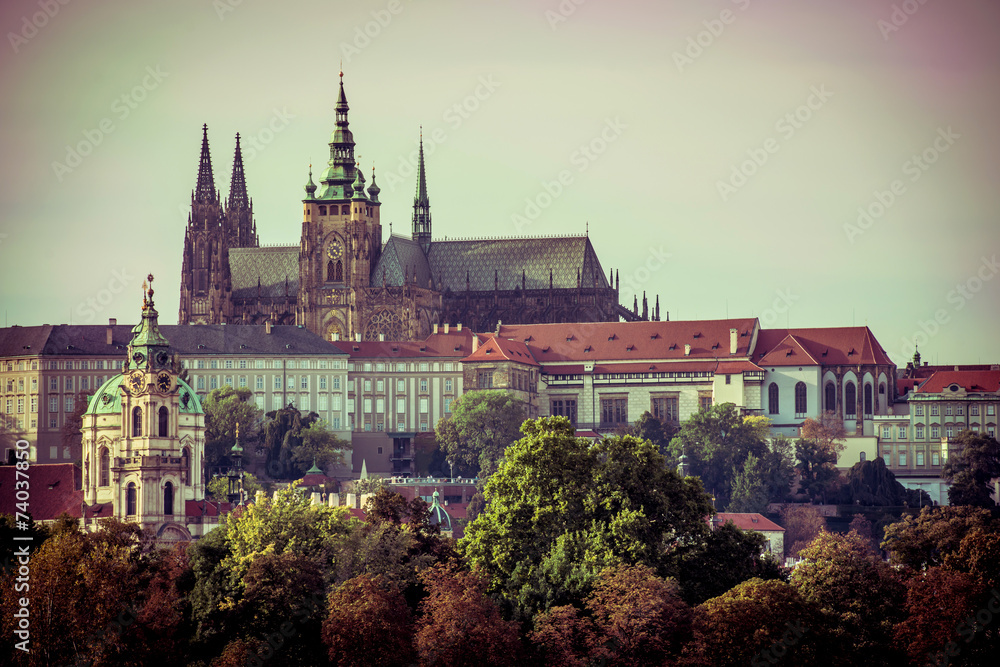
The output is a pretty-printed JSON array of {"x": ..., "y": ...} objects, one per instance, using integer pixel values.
[
  {"x": 494, "y": 348},
  {"x": 988, "y": 381},
  {"x": 747, "y": 521},
  {"x": 53, "y": 491},
  {"x": 826, "y": 345}
]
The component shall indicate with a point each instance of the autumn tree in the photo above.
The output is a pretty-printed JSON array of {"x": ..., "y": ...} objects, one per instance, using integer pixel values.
[
  {"x": 972, "y": 470},
  {"x": 459, "y": 626},
  {"x": 563, "y": 637},
  {"x": 927, "y": 539},
  {"x": 716, "y": 441},
  {"x": 802, "y": 523},
  {"x": 368, "y": 624},
  {"x": 861, "y": 595},
  {"x": 828, "y": 432},
  {"x": 481, "y": 426},
  {"x": 757, "y": 622},
  {"x": 937, "y": 601}
]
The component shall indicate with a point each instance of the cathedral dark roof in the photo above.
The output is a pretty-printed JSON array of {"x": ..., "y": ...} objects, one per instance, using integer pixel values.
[
  {"x": 272, "y": 266},
  {"x": 490, "y": 263}
]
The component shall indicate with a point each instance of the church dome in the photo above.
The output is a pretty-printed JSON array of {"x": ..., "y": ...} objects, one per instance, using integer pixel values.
[
  {"x": 107, "y": 400},
  {"x": 439, "y": 515}
]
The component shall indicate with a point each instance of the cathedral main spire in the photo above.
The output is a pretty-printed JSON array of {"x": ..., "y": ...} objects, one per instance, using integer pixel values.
[
  {"x": 339, "y": 174},
  {"x": 422, "y": 205},
  {"x": 205, "y": 192}
]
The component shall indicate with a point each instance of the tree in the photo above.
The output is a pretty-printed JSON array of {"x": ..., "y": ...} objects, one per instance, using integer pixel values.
[
  {"x": 872, "y": 483},
  {"x": 294, "y": 441},
  {"x": 368, "y": 623},
  {"x": 224, "y": 409},
  {"x": 481, "y": 426},
  {"x": 818, "y": 474},
  {"x": 927, "y": 539},
  {"x": 562, "y": 637},
  {"x": 802, "y": 523},
  {"x": 716, "y": 441},
  {"x": 978, "y": 555},
  {"x": 779, "y": 468},
  {"x": 648, "y": 427},
  {"x": 459, "y": 625},
  {"x": 744, "y": 626},
  {"x": 861, "y": 595},
  {"x": 218, "y": 486},
  {"x": 320, "y": 447},
  {"x": 972, "y": 470},
  {"x": 937, "y": 601},
  {"x": 828, "y": 432},
  {"x": 617, "y": 495},
  {"x": 750, "y": 492}
]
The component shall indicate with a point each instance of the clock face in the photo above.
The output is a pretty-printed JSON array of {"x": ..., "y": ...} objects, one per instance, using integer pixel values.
[
  {"x": 163, "y": 382},
  {"x": 136, "y": 382},
  {"x": 335, "y": 250}
]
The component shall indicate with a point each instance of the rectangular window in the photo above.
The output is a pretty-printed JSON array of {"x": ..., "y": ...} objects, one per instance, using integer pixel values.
[
  {"x": 949, "y": 432},
  {"x": 902, "y": 433},
  {"x": 243, "y": 381},
  {"x": 68, "y": 384},
  {"x": 243, "y": 363},
  {"x": 423, "y": 405},
  {"x": 53, "y": 452},
  {"x": 960, "y": 410},
  {"x": 10, "y": 406},
  {"x": 447, "y": 405},
  {"x": 368, "y": 385},
  {"x": 322, "y": 363},
  {"x": 368, "y": 367},
  {"x": 400, "y": 426},
  {"x": 20, "y": 384},
  {"x": 948, "y": 411},
  {"x": 304, "y": 382},
  {"x": 201, "y": 383},
  {"x": 291, "y": 382},
  {"x": 259, "y": 363},
  {"x": 84, "y": 365},
  {"x": 229, "y": 363},
  {"x": 664, "y": 408},
  {"x": 34, "y": 404},
  {"x": 423, "y": 385},
  {"x": 323, "y": 401},
  {"x": 991, "y": 410},
  {"x": 380, "y": 367},
  {"x": 68, "y": 404},
  {"x": 380, "y": 405},
  {"x": 991, "y": 431},
  {"x": 484, "y": 380},
  {"x": 920, "y": 458},
  {"x": 705, "y": 402},
  {"x": 201, "y": 363},
  {"x": 322, "y": 383},
  {"x": 400, "y": 386},
  {"x": 423, "y": 366},
  {"x": 919, "y": 411},
  {"x": 368, "y": 427},
  {"x": 258, "y": 400},
  {"x": 213, "y": 382},
  {"x": 20, "y": 404},
  {"x": 448, "y": 385},
  {"x": 276, "y": 402},
  {"x": 304, "y": 402},
  {"x": 367, "y": 405},
  {"x": 902, "y": 458},
  {"x": 380, "y": 386},
  {"x": 214, "y": 364},
  {"x": 564, "y": 407},
  {"x": 886, "y": 431},
  {"x": 400, "y": 405},
  {"x": 53, "y": 404},
  {"x": 85, "y": 384},
  {"x": 290, "y": 364},
  {"x": 448, "y": 366},
  {"x": 919, "y": 431},
  {"x": 336, "y": 382},
  {"x": 258, "y": 383},
  {"x": 974, "y": 410},
  {"x": 34, "y": 384},
  {"x": 935, "y": 410},
  {"x": 277, "y": 382},
  {"x": 614, "y": 411},
  {"x": 335, "y": 423},
  {"x": 423, "y": 424},
  {"x": 400, "y": 368},
  {"x": 935, "y": 459},
  {"x": 935, "y": 431},
  {"x": 336, "y": 402},
  {"x": 53, "y": 422}
]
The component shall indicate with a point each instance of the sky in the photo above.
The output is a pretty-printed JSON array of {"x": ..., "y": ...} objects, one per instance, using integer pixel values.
[{"x": 813, "y": 163}]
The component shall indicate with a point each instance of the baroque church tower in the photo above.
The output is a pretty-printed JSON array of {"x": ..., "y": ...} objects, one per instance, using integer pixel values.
[{"x": 144, "y": 438}]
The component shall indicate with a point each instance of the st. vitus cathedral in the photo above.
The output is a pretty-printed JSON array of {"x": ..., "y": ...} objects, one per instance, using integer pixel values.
[{"x": 342, "y": 281}]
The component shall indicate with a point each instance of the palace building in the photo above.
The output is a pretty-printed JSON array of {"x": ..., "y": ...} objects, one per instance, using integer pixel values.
[{"x": 342, "y": 281}]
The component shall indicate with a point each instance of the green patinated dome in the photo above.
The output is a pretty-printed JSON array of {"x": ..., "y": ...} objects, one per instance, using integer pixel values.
[
  {"x": 107, "y": 400},
  {"x": 439, "y": 515}
]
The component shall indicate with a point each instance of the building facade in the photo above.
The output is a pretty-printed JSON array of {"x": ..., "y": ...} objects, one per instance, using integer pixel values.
[{"x": 342, "y": 281}]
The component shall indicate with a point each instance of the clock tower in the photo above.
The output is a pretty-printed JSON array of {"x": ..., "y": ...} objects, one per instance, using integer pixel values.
[{"x": 144, "y": 437}]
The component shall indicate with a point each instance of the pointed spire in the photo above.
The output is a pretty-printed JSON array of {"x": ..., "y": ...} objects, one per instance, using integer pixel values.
[
  {"x": 205, "y": 190},
  {"x": 421, "y": 204},
  {"x": 359, "y": 185},
  {"x": 237, "y": 186},
  {"x": 310, "y": 187},
  {"x": 374, "y": 189}
]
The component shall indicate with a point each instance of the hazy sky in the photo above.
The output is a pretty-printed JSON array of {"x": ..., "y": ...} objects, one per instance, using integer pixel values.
[{"x": 719, "y": 150}]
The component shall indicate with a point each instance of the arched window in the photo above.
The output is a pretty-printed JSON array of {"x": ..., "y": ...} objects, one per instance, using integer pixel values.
[
  {"x": 331, "y": 272},
  {"x": 772, "y": 399},
  {"x": 345, "y": 209},
  {"x": 800, "y": 399},
  {"x": 186, "y": 456},
  {"x": 168, "y": 498},
  {"x": 831, "y": 397},
  {"x": 850, "y": 400},
  {"x": 137, "y": 422},
  {"x": 105, "y": 476},
  {"x": 322, "y": 210},
  {"x": 164, "y": 418},
  {"x": 339, "y": 272},
  {"x": 868, "y": 400},
  {"x": 130, "y": 499}
]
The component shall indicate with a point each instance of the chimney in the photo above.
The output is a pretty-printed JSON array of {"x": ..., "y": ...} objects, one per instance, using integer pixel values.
[
  {"x": 108, "y": 341},
  {"x": 458, "y": 327},
  {"x": 475, "y": 341},
  {"x": 734, "y": 341},
  {"x": 267, "y": 327},
  {"x": 446, "y": 327},
  {"x": 687, "y": 349},
  {"x": 434, "y": 329},
  {"x": 112, "y": 321}
]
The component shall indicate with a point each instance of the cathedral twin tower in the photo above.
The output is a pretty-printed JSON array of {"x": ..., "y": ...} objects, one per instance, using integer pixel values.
[{"x": 342, "y": 282}]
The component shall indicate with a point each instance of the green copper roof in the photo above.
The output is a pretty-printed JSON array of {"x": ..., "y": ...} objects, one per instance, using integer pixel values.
[
  {"x": 439, "y": 515},
  {"x": 107, "y": 400},
  {"x": 314, "y": 470},
  {"x": 359, "y": 187},
  {"x": 374, "y": 189}
]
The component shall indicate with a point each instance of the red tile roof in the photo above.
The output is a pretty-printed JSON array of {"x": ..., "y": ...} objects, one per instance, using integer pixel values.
[
  {"x": 827, "y": 346},
  {"x": 789, "y": 352},
  {"x": 733, "y": 367},
  {"x": 632, "y": 341},
  {"x": 968, "y": 380},
  {"x": 452, "y": 344},
  {"x": 52, "y": 490},
  {"x": 206, "y": 508},
  {"x": 494, "y": 348},
  {"x": 747, "y": 521},
  {"x": 928, "y": 370}
]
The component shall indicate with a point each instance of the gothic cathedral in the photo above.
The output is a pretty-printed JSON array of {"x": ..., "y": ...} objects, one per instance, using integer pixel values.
[{"x": 343, "y": 282}]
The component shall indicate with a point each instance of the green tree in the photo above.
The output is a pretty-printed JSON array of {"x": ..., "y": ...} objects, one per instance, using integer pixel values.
[
  {"x": 749, "y": 491},
  {"x": 294, "y": 441},
  {"x": 648, "y": 427},
  {"x": 818, "y": 474},
  {"x": 872, "y": 483},
  {"x": 972, "y": 471},
  {"x": 617, "y": 495},
  {"x": 224, "y": 409},
  {"x": 481, "y": 426},
  {"x": 861, "y": 595},
  {"x": 716, "y": 441},
  {"x": 320, "y": 446},
  {"x": 219, "y": 487}
]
